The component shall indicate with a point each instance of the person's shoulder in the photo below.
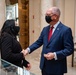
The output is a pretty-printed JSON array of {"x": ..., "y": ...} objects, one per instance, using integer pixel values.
[
  {"x": 46, "y": 27},
  {"x": 65, "y": 26},
  {"x": 6, "y": 35}
]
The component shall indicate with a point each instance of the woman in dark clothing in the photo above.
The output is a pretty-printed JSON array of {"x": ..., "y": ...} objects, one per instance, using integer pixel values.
[{"x": 10, "y": 47}]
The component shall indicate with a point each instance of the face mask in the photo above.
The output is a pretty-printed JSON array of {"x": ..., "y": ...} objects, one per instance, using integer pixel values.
[
  {"x": 15, "y": 30},
  {"x": 48, "y": 19}
]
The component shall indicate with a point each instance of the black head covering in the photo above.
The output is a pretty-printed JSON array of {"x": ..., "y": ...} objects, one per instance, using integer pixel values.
[{"x": 8, "y": 26}]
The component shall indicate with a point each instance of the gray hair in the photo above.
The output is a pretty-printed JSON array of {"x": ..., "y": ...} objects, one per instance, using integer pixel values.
[{"x": 56, "y": 10}]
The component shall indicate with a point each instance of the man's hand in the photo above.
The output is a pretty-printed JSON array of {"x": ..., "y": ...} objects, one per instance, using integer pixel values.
[
  {"x": 25, "y": 52},
  {"x": 49, "y": 56}
]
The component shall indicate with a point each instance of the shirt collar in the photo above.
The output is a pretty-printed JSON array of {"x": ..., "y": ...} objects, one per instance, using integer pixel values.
[{"x": 56, "y": 24}]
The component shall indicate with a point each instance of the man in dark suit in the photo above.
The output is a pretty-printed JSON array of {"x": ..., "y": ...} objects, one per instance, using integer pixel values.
[{"x": 57, "y": 42}]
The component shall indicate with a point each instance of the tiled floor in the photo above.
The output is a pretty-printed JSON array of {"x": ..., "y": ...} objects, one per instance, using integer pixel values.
[{"x": 71, "y": 70}]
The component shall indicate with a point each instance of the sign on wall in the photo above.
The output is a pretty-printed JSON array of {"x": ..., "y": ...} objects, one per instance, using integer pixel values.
[{"x": 12, "y": 11}]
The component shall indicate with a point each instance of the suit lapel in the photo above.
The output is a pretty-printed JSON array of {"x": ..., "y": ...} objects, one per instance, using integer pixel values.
[
  {"x": 56, "y": 32},
  {"x": 47, "y": 32}
]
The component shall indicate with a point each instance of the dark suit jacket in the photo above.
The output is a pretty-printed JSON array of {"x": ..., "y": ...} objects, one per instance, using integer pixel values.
[
  {"x": 11, "y": 50},
  {"x": 61, "y": 42}
]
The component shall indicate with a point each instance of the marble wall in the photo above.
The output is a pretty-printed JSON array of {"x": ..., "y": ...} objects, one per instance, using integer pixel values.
[{"x": 2, "y": 12}]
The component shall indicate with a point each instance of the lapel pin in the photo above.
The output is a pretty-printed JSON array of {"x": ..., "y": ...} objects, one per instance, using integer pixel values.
[{"x": 57, "y": 28}]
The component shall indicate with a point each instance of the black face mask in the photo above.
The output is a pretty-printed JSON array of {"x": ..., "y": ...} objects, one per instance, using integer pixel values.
[
  {"x": 48, "y": 19},
  {"x": 15, "y": 30}
]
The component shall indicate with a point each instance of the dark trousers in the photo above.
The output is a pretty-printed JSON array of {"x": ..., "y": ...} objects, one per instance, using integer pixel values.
[{"x": 44, "y": 73}]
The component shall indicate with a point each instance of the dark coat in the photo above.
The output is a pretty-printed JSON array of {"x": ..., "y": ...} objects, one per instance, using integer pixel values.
[{"x": 11, "y": 50}]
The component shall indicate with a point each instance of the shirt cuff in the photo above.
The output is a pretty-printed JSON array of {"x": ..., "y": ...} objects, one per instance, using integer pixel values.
[
  {"x": 28, "y": 49},
  {"x": 55, "y": 57}
]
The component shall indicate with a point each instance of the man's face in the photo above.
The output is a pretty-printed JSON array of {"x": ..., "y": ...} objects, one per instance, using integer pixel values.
[
  {"x": 49, "y": 16},
  {"x": 53, "y": 16}
]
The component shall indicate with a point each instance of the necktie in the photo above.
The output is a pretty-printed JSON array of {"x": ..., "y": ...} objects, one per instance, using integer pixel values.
[{"x": 50, "y": 33}]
